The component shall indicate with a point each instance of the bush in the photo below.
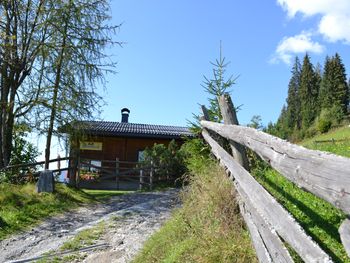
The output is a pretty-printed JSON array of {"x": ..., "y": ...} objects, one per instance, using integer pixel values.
[
  {"x": 324, "y": 125},
  {"x": 23, "y": 152},
  {"x": 168, "y": 160},
  {"x": 329, "y": 118}
]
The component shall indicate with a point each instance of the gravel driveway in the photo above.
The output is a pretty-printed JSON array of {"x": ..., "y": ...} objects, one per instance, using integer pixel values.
[{"x": 138, "y": 214}]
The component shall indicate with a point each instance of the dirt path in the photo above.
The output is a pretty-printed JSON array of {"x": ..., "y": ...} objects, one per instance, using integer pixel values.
[{"x": 132, "y": 219}]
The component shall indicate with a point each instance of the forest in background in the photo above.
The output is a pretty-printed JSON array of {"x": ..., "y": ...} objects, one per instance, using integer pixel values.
[{"x": 317, "y": 100}]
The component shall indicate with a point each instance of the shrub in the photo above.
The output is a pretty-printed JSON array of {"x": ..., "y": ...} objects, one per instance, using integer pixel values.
[
  {"x": 324, "y": 125},
  {"x": 168, "y": 160}
]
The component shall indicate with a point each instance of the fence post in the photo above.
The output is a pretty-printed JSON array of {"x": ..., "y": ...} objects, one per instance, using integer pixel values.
[
  {"x": 141, "y": 179},
  {"x": 151, "y": 177},
  {"x": 59, "y": 163},
  {"x": 73, "y": 163},
  {"x": 117, "y": 171},
  {"x": 228, "y": 113},
  {"x": 78, "y": 174}
]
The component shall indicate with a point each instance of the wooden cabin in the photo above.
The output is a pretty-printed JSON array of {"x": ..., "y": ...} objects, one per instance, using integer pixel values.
[{"x": 104, "y": 142}]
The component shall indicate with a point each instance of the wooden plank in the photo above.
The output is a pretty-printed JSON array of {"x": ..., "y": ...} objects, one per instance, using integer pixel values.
[
  {"x": 275, "y": 247},
  {"x": 278, "y": 218},
  {"x": 344, "y": 231},
  {"x": 228, "y": 113},
  {"x": 34, "y": 164},
  {"x": 260, "y": 249},
  {"x": 323, "y": 174},
  {"x": 331, "y": 140}
]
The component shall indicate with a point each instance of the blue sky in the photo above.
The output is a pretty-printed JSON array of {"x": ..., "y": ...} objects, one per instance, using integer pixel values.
[{"x": 169, "y": 45}]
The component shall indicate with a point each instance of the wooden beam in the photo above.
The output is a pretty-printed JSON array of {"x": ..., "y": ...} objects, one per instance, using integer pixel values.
[
  {"x": 273, "y": 244},
  {"x": 278, "y": 218},
  {"x": 258, "y": 242},
  {"x": 323, "y": 174},
  {"x": 229, "y": 116},
  {"x": 344, "y": 231}
]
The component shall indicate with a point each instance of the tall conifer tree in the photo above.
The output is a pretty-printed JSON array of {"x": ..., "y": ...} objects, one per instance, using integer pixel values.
[
  {"x": 293, "y": 101},
  {"x": 341, "y": 89},
  {"x": 334, "y": 88},
  {"x": 309, "y": 90}
]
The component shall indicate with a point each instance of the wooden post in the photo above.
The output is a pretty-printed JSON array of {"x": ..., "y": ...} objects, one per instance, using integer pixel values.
[
  {"x": 141, "y": 179},
  {"x": 59, "y": 162},
  {"x": 228, "y": 113},
  {"x": 73, "y": 163},
  {"x": 78, "y": 173},
  {"x": 151, "y": 177},
  {"x": 117, "y": 172}
]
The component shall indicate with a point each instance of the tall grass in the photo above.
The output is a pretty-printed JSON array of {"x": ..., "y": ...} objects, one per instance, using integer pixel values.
[{"x": 208, "y": 226}]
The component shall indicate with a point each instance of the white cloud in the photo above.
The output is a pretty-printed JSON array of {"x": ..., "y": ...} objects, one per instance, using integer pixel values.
[
  {"x": 293, "y": 45},
  {"x": 334, "y": 24},
  {"x": 335, "y": 28}
]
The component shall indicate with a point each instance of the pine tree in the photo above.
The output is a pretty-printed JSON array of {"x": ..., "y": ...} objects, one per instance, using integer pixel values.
[
  {"x": 334, "y": 91},
  {"x": 309, "y": 90},
  {"x": 318, "y": 73},
  {"x": 293, "y": 101},
  {"x": 341, "y": 87},
  {"x": 326, "y": 91},
  {"x": 282, "y": 129}
]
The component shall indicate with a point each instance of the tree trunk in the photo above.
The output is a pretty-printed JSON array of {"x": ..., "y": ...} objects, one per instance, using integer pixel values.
[{"x": 55, "y": 96}]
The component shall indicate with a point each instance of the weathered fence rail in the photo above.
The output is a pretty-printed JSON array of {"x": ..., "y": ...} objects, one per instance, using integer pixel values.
[{"x": 325, "y": 175}]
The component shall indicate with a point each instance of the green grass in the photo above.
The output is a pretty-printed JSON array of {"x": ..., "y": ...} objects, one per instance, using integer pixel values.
[
  {"x": 21, "y": 207},
  {"x": 319, "y": 218},
  {"x": 84, "y": 238},
  {"x": 341, "y": 148},
  {"x": 208, "y": 227},
  {"x": 105, "y": 194}
]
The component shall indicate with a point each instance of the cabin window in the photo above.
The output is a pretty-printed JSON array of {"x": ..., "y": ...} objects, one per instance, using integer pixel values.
[
  {"x": 95, "y": 163},
  {"x": 140, "y": 155},
  {"x": 87, "y": 165}
]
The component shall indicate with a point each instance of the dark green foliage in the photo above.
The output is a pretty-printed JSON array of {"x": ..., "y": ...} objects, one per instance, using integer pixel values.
[
  {"x": 312, "y": 93},
  {"x": 281, "y": 128},
  {"x": 23, "y": 152},
  {"x": 256, "y": 122},
  {"x": 216, "y": 86},
  {"x": 334, "y": 88},
  {"x": 168, "y": 160},
  {"x": 323, "y": 125},
  {"x": 308, "y": 91},
  {"x": 293, "y": 101}
]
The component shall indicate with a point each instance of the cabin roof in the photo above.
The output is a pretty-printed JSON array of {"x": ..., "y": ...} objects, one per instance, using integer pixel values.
[{"x": 126, "y": 129}]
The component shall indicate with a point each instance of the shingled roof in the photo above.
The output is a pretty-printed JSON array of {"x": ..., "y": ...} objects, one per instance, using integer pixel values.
[{"x": 125, "y": 129}]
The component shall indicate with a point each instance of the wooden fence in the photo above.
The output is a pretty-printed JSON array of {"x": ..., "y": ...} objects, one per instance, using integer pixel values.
[
  {"x": 113, "y": 173},
  {"x": 270, "y": 225},
  {"x": 31, "y": 169}
]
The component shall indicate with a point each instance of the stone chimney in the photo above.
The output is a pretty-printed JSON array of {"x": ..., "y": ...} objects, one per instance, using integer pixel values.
[{"x": 125, "y": 115}]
